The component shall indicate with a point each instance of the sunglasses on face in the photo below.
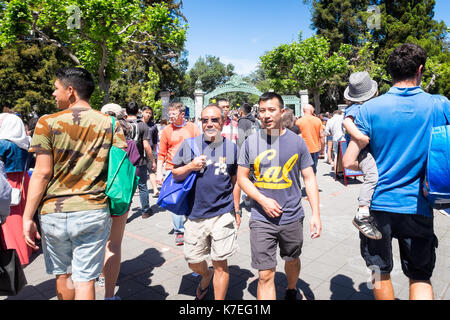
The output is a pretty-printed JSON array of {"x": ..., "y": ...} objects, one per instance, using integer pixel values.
[{"x": 213, "y": 120}]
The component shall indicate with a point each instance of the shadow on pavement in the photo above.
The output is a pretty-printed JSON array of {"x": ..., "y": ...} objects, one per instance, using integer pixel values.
[
  {"x": 342, "y": 288},
  {"x": 281, "y": 286},
  {"x": 43, "y": 291},
  {"x": 238, "y": 282},
  {"x": 137, "y": 212},
  {"x": 135, "y": 277}
]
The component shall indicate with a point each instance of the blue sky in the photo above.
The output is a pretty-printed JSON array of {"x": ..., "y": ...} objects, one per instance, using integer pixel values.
[{"x": 240, "y": 31}]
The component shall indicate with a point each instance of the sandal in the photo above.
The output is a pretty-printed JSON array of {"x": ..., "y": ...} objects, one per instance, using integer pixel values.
[{"x": 201, "y": 293}]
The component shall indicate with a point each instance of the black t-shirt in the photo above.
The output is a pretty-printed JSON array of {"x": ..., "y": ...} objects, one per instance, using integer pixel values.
[
  {"x": 295, "y": 129},
  {"x": 153, "y": 134},
  {"x": 140, "y": 132}
]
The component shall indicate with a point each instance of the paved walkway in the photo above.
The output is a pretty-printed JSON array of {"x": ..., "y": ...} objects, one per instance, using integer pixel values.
[{"x": 332, "y": 268}]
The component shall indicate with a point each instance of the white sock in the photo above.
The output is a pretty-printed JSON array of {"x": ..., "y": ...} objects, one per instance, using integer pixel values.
[{"x": 363, "y": 213}]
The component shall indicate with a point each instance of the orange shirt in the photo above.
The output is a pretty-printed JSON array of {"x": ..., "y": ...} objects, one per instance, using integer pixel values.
[
  {"x": 310, "y": 127},
  {"x": 171, "y": 139}
]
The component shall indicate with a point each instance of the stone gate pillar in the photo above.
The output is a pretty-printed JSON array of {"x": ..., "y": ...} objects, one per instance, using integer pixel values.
[
  {"x": 198, "y": 100},
  {"x": 165, "y": 100},
  {"x": 303, "y": 99}
]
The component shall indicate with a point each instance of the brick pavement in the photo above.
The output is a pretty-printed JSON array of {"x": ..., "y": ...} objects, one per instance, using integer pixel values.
[{"x": 332, "y": 268}]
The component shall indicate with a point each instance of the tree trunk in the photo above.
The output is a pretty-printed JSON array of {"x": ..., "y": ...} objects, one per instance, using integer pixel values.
[
  {"x": 431, "y": 84},
  {"x": 104, "y": 84},
  {"x": 316, "y": 93},
  {"x": 104, "y": 81}
]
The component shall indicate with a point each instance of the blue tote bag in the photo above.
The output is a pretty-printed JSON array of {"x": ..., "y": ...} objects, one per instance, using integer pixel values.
[
  {"x": 437, "y": 177},
  {"x": 174, "y": 194}
]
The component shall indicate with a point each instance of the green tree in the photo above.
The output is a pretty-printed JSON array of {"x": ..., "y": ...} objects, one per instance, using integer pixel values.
[
  {"x": 95, "y": 33},
  {"x": 260, "y": 80},
  {"x": 27, "y": 77},
  {"x": 307, "y": 64},
  {"x": 412, "y": 21},
  {"x": 210, "y": 71},
  {"x": 340, "y": 21},
  {"x": 149, "y": 92},
  {"x": 390, "y": 23}
]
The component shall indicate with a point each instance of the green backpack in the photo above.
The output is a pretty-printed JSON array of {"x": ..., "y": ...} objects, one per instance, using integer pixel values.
[{"x": 122, "y": 180}]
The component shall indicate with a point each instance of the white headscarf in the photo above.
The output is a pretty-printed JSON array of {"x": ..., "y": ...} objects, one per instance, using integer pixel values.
[{"x": 13, "y": 129}]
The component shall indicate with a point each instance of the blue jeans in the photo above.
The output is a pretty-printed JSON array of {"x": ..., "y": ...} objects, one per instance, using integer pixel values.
[
  {"x": 178, "y": 223},
  {"x": 143, "y": 190},
  {"x": 315, "y": 158}
]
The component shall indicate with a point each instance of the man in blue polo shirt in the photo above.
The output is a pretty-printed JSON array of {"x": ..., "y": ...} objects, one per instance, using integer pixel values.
[
  {"x": 211, "y": 228},
  {"x": 399, "y": 124}
]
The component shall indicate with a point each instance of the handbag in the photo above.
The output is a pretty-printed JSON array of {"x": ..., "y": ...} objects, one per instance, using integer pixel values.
[
  {"x": 5, "y": 194},
  {"x": 436, "y": 187},
  {"x": 173, "y": 195},
  {"x": 12, "y": 277},
  {"x": 122, "y": 180}
]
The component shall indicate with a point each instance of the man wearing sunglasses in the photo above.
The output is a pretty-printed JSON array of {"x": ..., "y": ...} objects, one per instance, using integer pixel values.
[
  {"x": 171, "y": 138},
  {"x": 211, "y": 227}
]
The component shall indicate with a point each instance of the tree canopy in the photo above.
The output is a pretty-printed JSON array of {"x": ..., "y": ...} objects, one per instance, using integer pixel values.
[
  {"x": 27, "y": 77},
  {"x": 376, "y": 27},
  {"x": 94, "y": 34},
  {"x": 210, "y": 71},
  {"x": 306, "y": 64}
]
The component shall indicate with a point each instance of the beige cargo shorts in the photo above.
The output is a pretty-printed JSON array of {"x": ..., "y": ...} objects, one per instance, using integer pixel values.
[{"x": 214, "y": 237}]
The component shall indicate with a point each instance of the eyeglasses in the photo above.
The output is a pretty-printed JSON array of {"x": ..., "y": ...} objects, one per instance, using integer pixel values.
[{"x": 213, "y": 120}]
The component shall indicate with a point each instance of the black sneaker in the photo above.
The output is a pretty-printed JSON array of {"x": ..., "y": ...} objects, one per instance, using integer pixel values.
[
  {"x": 291, "y": 294},
  {"x": 367, "y": 227}
]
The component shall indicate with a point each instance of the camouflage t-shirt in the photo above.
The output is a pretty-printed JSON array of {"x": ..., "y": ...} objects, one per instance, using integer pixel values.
[{"x": 79, "y": 139}]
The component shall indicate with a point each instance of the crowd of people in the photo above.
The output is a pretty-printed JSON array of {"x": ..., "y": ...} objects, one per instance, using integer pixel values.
[{"x": 258, "y": 155}]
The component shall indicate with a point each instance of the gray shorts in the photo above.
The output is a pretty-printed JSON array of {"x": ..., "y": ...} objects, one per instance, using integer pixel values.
[{"x": 264, "y": 238}]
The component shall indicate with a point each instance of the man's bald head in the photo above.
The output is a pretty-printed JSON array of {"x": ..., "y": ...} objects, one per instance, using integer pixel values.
[{"x": 308, "y": 109}]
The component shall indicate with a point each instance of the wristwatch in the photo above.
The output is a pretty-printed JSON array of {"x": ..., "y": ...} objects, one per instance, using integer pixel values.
[{"x": 239, "y": 212}]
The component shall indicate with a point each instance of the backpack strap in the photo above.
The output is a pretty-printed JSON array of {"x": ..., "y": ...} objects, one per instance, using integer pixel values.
[
  {"x": 439, "y": 108},
  {"x": 113, "y": 129},
  {"x": 194, "y": 147},
  {"x": 113, "y": 125}
]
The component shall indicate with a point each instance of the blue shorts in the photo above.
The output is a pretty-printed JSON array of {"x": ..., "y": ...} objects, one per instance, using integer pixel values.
[
  {"x": 416, "y": 239},
  {"x": 76, "y": 241}
]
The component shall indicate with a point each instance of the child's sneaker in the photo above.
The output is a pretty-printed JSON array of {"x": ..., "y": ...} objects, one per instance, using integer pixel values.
[
  {"x": 101, "y": 281},
  {"x": 367, "y": 227}
]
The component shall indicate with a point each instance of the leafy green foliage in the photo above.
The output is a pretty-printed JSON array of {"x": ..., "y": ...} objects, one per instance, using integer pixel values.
[
  {"x": 304, "y": 64},
  {"x": 340, "y": 21},
  {"x": 27, "y": 77},
  {"x": 96, "y": 33},
  {"x": 347, "y": 21},
  {"x": 210, "y": 71}
]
